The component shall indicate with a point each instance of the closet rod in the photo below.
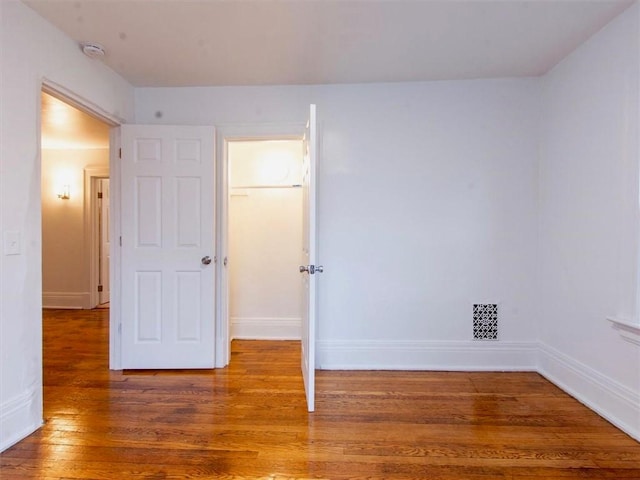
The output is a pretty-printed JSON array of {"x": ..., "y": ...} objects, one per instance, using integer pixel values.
[{"x": 266, "y": 186}]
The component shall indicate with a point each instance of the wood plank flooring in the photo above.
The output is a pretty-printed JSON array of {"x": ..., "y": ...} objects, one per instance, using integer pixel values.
[{"x": 249, "y": 421}]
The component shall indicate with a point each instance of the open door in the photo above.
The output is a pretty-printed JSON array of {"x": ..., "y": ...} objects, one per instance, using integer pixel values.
[
  {"x": 104, "y": 246},
  {"x": 309, "y": 269},
  {"x": 168, "y": 271}
]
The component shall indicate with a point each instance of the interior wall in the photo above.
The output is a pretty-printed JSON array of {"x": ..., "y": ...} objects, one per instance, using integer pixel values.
[
  {"x": 589, "y": 219},
  {"x": 31, "y": 50},
  {"x": 427, "y": 204},
  {"x": 434, "y": 196},
  {"x": 65, "y": 271},
  {"x": 265, "y": 239}
]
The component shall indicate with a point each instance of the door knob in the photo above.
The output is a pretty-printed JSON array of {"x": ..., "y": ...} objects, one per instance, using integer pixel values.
[
  {"x": 206, "y": 260},
  {"x": 311, "y": 269}
]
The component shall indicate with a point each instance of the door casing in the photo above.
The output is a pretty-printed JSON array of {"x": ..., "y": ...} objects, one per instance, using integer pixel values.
[
  {"x": 225, "y": 135},
  {"x": 70, "y": 97}
]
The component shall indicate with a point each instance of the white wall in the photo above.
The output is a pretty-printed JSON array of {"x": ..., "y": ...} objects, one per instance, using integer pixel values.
[
  {"x": 434, "y": 196},
  {"x": 265, "y": 239},
  {"x": 32, "y": 49},
  {"x": 589, "y": 221},
  {"x": 427, "y": 204},
  {"x": 65, "y": 269}
]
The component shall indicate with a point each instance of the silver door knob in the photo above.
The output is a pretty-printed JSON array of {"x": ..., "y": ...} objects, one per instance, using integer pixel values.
[
  {"x": 206, "y": 260},
  {"x": 311, "y": 269}
]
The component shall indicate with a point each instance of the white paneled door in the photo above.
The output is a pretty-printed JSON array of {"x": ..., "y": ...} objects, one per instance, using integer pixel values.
[
  {"x": 308, "y": 268},
  {"x": 168, "y": 271}
]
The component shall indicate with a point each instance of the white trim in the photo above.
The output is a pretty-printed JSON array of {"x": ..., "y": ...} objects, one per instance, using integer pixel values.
[
  {"x": 610, "y": 399},
  {"x": 425, "y": 355},
  {"x": 67, "y": 96},
  {"x": 114, "y": 121},
  {"x": 115, "y": 281},
  {"x": 70, "y": 300},
  {"x": 15, "y": 413},
  {"x": 265, "y": 328},
  {"x": 224, "y": 135},
  {"x": 629, "y": 331}
]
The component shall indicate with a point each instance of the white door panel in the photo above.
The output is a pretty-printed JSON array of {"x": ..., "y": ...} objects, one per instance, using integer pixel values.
[
  {"x": 308, "y": 259},
  {"x": 167, "y": 229}
]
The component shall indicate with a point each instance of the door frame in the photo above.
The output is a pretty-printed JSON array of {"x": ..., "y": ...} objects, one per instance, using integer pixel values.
[
  {"x": 71, "y": 98},
  {"x": 91, "y": 177},
  {"x": 225, "y": 135}
]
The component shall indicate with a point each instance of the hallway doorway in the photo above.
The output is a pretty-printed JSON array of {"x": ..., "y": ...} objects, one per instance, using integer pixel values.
[{"x": 75, "y": 164}]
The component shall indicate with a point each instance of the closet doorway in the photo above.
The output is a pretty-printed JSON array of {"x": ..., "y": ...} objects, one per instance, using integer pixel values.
[{"x": 264, "y": 239}]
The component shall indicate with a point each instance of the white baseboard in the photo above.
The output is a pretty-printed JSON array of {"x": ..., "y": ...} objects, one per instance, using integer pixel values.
[
  {"x": 445, "y": 355},
  {"x": 265, "y": 328},
  {"x": 17, "y": 418},
  {"x": 70, "y": 300},
  {"x": 611, "y": 400}
]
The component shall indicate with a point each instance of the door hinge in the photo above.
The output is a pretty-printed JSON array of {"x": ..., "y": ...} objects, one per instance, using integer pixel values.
[
  {"x": 119, "y": 328},
  {"x": 99, "y": 194},
  {"x": 99, "y": 288},
  {"x": 119, "y": 153},
  {"x": 120, "y": 241}
]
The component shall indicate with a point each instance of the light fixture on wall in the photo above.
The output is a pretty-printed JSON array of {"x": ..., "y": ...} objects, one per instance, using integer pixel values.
[{"x": 64, "y": 193}]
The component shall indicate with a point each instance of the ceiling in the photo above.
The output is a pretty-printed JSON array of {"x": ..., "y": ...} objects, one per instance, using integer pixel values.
[
  {"x": 66, "y": 127},
  {"x": 171, "y": 43},
  {"x": 174, "y": 43}
]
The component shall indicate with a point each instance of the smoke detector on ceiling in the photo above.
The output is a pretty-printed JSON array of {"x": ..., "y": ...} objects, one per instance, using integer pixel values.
[{"x": 92, "y": 50}]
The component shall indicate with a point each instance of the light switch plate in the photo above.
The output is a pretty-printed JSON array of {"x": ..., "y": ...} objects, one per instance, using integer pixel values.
[{"x": 12, "y": 243}]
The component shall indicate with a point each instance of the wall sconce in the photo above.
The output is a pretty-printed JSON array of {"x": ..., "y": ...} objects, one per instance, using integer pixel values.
[{"x": 64, "y": 194}]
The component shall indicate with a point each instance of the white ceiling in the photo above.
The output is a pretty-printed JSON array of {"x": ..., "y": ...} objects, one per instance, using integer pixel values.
[{"x": 261, "y": 42}]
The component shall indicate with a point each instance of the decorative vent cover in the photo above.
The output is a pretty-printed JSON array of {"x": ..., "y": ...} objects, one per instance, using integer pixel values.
[{"x": 485, "y": 321}]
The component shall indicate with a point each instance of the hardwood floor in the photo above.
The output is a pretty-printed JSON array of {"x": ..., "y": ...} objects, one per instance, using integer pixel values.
[{"x": 250, "y": 421}]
